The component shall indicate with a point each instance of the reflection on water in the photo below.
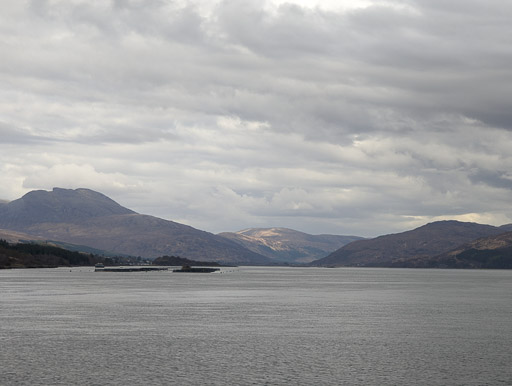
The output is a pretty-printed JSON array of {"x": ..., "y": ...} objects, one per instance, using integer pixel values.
[{"x": 256, "y": 326}]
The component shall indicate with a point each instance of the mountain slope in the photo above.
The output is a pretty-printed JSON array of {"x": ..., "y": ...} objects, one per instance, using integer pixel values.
[
  {"x": 488, "y": 252},
  {"x": 421, "y": 243},
  {"x": 506, "y": 228},
  {"x": 288, "y": 245},
  {"x": 41, "y": 256},
  {"x": 14, "y": 237},
  {"x": 85, "y": 217}
]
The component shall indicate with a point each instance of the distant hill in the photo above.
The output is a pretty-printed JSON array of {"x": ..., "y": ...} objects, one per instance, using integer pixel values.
[
  {"x": 288, "y": 245},
  {"x": 86, "y": 217},
  {"x": 411, "y": 248}
]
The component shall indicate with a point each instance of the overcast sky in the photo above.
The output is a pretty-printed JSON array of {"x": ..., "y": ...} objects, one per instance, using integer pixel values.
[{"x": 341, "y": 117}]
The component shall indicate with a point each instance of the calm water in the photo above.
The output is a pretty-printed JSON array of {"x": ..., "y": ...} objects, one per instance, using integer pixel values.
[{"x": 256, "y": 326}]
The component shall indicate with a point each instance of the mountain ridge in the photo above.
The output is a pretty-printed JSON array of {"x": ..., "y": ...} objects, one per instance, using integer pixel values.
[
  {"x": 83, "y": 217},
  {"x": 288, "y": 245},
  {"x": 395, "y": 249}
]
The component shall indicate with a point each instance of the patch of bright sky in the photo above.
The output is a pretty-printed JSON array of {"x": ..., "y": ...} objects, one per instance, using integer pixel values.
[
  {"x": 206, "y": 6},
  {"x": 341, "y": 5},
  {"x": 335, "y": 5}
]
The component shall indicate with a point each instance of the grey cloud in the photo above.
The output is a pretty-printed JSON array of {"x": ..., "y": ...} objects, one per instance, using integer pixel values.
[
  {"x": 377, "y": 115},
  {"x": 10, "y": 134},
  {"x": 494, "y": 178}
]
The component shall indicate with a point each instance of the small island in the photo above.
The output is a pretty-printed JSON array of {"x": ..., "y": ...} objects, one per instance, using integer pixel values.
[{"x": 189, "y": 269}]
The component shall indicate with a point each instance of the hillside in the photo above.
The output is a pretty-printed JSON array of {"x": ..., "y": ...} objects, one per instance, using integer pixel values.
[
  {"x": 402, "y": 249},
  {"x": 288, "y": 245},
  {"x": 506, "y": 228},
  {"x": 22, "y": 255},
  {"x": 16, "y": 237},
  {"x": 488, "y": 252},
  {"x": 85, "y": 217}
]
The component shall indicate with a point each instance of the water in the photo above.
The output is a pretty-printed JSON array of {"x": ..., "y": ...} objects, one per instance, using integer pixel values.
[{"x": 256, "y": 326}]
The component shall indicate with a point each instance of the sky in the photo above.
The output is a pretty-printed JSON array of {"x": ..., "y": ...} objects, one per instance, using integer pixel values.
[{"x": 341, "y": 117}]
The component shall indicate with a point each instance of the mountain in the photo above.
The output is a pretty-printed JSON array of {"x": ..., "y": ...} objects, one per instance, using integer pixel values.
[
  {"x": 411, "y": 248},
  {"x": 58, "y": 206},
  {"x": 86, "y": 217},
  {"x": 288, "y": 245},
  {"x": 488, "y": 252}
]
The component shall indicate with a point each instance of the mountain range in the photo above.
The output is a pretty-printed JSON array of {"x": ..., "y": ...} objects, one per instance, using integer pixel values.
[
  {"x": 88, "y": 221},
  {"x": 82, "y": 219},
  {"x": 288, "y": 245},
  {"x": 86, "y": 217}
]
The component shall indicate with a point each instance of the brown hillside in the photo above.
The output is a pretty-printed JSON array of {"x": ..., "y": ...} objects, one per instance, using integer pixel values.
[{"x": 424, "y": 242}]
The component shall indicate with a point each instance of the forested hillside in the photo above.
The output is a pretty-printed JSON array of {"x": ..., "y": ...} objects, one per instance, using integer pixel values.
[{"x": 32, "y": 255}]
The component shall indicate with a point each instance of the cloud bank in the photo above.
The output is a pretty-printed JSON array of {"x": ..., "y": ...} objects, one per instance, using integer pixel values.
[{"x": 367, "y": 118}]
